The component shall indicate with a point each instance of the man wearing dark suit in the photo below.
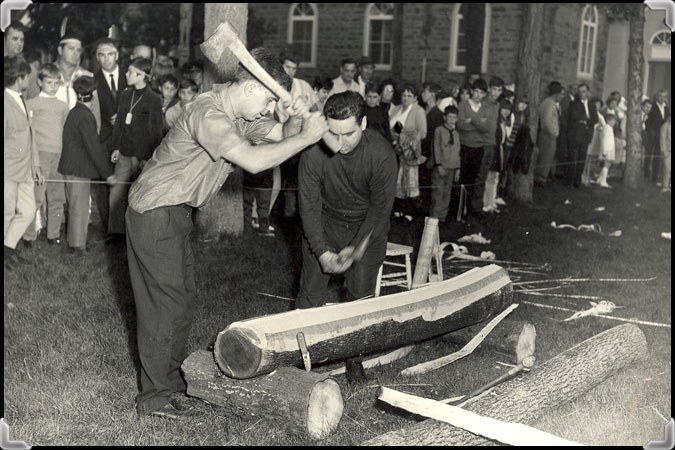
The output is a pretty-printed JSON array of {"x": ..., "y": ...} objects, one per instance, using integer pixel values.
[
  {"x": 657, "y": 115},
  {"x": 110, "y": 83},
  {"x": 582, "y": 118},
  {"x": 561, "y": 144}
]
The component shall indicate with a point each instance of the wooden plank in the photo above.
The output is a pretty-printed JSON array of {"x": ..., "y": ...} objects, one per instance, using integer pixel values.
[
  {"x": 257, "y": 346},
  {"x": 524, "y": 399}
]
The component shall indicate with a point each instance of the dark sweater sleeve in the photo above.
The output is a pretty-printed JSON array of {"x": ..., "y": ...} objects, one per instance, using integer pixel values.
[
  {"x": 382, "y": 193},
  {"x": 311, "y": 204},
  {"x": 122, "y": 109},
  {"x": 87, "y": 129},
  {"x": 156, "y": 126}
]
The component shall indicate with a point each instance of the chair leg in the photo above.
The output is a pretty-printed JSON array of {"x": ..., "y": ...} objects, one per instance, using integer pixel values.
[
  {"x": 379, "y": 280},
  {"x": 408, "y": 272}
]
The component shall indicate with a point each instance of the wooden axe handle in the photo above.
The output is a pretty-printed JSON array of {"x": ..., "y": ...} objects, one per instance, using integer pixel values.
[{"x": 225, "y": 36}]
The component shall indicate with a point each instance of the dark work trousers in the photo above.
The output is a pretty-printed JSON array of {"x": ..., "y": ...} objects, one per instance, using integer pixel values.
[
  {"x": 161, "y": 267},
  {"x": 100, "y": 192},
  {"x": 360, "y": 278},
  {"x": 652, "y": 161},
  {"x": 576, "y": 151},
  {"x": 471, "y": 167}
]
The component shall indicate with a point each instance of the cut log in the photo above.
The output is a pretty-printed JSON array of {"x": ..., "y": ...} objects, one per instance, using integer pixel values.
[
  {"x": 502, "y": 339},
  {"x": 257, "y": 346},
  {"x": 305, "y": 403},
  {"x": 558, "y": 380}
]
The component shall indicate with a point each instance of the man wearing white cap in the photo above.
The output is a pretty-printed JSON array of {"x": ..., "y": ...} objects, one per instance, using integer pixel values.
[{"x": 68, "y": 61}]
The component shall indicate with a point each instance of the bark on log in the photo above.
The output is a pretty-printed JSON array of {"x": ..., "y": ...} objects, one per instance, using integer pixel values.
[
  {"x": 305, "y": 403},
  {"x": 256, "y": 346},
  {"x": 558, "y": 380},
  {"x": 502, "y": 339}
]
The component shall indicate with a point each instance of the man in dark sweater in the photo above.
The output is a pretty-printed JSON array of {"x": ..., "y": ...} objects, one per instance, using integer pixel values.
[{"x": 344, "y": 197}]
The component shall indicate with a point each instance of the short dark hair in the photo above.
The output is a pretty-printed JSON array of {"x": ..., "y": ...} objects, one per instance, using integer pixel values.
[
  {"x": 168, "y": 78},
  {"x": 373, "y": 87},
  {"x": 345, "y": 105},
  {"x": 326, "y": 84},
  {"x": 554, "y": 87},
  {"x": 144, "y": 65},
  {"x": 84, "y": 86},
  {"x": 32, "y": 55},
  {"x": 432, "y": 87},
  {"x": 16, "y": 26},
  {"x": 647, "y": 101},
  {"x": 270, "y": 63},
  {"x": 496, "y": 82},
  {"x": 347, "y": 61},
  {"x": 480, "y": 84},
  {"x": 48, "y": 70},
  {"x": 15, "y": 68},
  {"x": 613, "y": 97},
  {"x": 107, "y": 41},
  {"x": 451, "y": 109},
  {"x": 187, "y": 83},
  {"x": 597, "y": 100},
  {"x": 411, "y": 88},
  {"x": 583, "y": 85},
  {"x": 289, "y": 56},
  {"x": 193, "y": 64}
]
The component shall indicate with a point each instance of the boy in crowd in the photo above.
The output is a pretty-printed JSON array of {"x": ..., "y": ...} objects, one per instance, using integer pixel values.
[
  {"x": 187, "y": 93},
  {"x": 168, "y": 86},
  {"x": 445, "y": 164},
  {"x": 22, "y": 162},
  {"x": 138, "y": 130},
  {"x": 81, "y": 161},
  {"x": 376, "y": 117},
  {"x": 48, "y": 115}
]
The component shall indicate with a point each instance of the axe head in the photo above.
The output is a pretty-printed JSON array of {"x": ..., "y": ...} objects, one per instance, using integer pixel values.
[{"x": 221, "y": 39}]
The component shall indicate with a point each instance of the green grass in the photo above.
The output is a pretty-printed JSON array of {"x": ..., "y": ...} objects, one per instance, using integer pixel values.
[{"x": 70, "y": 373}]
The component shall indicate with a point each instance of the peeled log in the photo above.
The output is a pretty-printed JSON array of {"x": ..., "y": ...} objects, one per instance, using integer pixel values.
[
  {"x": 257, "y": 346},
  {"x": 502, "y": 339},
  {"x": 305, "y": 403},
  {"x": 558, "y": 380}
]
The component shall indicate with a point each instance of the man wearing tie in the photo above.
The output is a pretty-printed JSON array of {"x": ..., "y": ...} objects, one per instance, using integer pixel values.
[
  {"x": 582, "y": 118},
  {"x": 109, "y": 87},
  {"x": 22, "y": 163},
  {"x": 656, "y": 117}
]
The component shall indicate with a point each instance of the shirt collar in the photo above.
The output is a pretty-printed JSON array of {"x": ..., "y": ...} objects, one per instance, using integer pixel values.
[
  {"x": 226, "y": 101},
  {"x": 42, "y": 94},
  {"x": 115, "y": 72},
  {"x": 14, "y": 94}
]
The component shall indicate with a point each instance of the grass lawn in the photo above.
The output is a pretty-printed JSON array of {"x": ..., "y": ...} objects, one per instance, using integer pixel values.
[{"x": 70, "y": 364}]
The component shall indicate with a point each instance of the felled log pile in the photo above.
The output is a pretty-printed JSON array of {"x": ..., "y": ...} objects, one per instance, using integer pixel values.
[{"x": 523, "y": 400}]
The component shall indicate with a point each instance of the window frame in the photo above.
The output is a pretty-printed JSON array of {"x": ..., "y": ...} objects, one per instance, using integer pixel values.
[
  {"x": 454, "y": 38},
  {"x": 368, "y": 18},
  {"x": 312, "y": 64},
  {"x": 587, "y": 75}
]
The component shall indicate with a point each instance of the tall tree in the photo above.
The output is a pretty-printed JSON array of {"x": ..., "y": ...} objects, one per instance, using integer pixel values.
[
  {"x": 224, "y": 214},
  {"x": 634, "y": 13},
  {"x": 528, "y": 80}
]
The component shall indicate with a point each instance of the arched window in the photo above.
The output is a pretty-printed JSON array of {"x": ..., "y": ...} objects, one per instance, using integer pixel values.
[
  {"x": 660, "y": 45},
  {"x": 587, "y": 40},
  {"x": 458, "y": 39},
  {"x": 303, "y": 25},
  {"x": 377, "y": 36}
]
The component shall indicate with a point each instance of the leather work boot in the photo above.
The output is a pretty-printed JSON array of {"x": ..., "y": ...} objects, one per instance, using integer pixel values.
[{"x": 174, "y": 411}]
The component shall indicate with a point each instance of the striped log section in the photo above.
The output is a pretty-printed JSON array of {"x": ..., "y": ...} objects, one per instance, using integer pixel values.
[{"x": 254, "y": 347}]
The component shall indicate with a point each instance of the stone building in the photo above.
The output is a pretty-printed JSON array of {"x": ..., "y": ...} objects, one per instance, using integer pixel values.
[{"x": 437, "y": 41}]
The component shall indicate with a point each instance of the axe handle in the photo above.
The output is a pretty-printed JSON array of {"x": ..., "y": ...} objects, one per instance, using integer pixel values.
[{"x": 242, "y": 54}]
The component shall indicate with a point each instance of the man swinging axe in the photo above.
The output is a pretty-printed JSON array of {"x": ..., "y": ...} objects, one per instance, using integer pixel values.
[{"x": 186, "y": 170}]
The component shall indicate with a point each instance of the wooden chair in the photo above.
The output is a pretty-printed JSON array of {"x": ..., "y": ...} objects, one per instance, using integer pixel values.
[{"x": 395, "y": 278}]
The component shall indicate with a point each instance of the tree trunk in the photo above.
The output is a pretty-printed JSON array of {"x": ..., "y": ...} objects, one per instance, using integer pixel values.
[
  {"x": 503, "y": 339},
  {"x": 224, "y": 214},
  {"x": 528, "y": 81},
  {"x": 305, "y": 403},
  {"x": 256, "y": 346},
  {"x": 523, "y": 399},
  {"x": 634, "y": 149}
]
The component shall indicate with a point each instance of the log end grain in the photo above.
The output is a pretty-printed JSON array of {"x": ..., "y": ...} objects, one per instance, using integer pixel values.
[
  {"x": 236, "y": 353},
  {"x": 325, "y": 409}
]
